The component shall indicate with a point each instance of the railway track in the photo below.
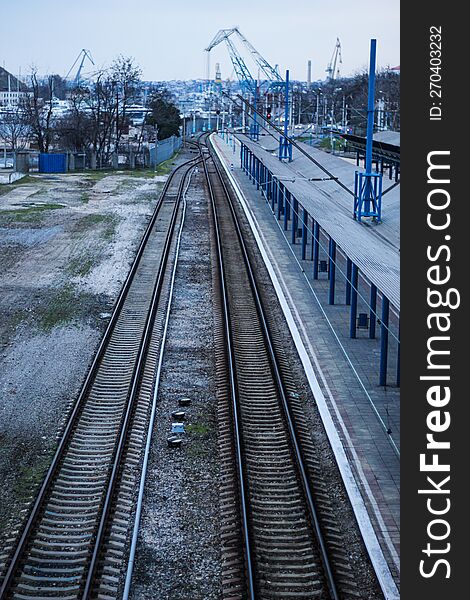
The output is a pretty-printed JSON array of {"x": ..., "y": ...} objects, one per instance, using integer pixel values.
[
  {"x": 280, "y": 537},
  {"x": 74, "y": 542}
]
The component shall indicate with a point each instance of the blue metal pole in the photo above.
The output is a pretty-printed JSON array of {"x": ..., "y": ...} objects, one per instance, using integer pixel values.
[
  {"x": 370, "y": 126},
  {"x": 273, "y": 193},
  {"x": 332, "y": 256},
  {"x": 255, "y": 123},
  {"x": 304, "y": 233},
  {"x": 373, "y": 310},
  {"x": 284, "y": 149},
  {"x": 348, "y": 281},
  {"x": 286, "y": 110},
  {"x": 316, "y": 248},
  {"x": 280, "y": 201},
  {"x": 384, "y": 341},
  {"x": 286, "y": 209},
  {"x": 295, "y": 219},
  {"x": 353, "y": 314},
  {"x": 370, "y": 106}
]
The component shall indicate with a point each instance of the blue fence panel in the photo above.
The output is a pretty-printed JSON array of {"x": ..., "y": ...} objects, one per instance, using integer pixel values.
[
  {"x": 52, "y": 163},
  {"x": 165, "y": 150}
]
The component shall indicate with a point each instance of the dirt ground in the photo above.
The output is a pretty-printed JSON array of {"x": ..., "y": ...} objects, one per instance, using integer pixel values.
[{"x": 66, "y": 244}]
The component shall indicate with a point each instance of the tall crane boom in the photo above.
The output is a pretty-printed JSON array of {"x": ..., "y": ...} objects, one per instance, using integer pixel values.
[
  {"x": 83, "y": 55},
  {"x": 336, "y": 59},
  {"x": 246, "y": 79}
]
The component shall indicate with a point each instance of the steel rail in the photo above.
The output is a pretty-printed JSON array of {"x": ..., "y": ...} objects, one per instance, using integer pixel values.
[
  {"x": 67, "y": 434},
  {"x": 138, "y": 509},
  {"x": 136, "y": 377},
  {"x": 304, "y": 477},
  {"x": 233, "y": 394}
]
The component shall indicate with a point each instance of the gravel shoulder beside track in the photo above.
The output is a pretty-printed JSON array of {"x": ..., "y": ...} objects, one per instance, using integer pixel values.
[{"x": 66, "y": 244}]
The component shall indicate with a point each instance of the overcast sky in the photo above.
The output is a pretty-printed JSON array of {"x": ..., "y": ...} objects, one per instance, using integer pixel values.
[{"x": 167, "y": 38}]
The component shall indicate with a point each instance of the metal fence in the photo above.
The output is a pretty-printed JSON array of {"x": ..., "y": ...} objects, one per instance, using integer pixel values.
[
  {"x": 165, "y": 150},
  {"x": 124, "y": 157}
]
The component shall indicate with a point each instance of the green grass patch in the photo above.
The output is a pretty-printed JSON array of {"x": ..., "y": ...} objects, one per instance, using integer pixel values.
[
  {"x": 98, "y": 175},
  {"x": 92, "y": 219},
  {"x": 107, "y": 222},
  {"x": 29, "y": 478},
  {"x": 142, "y": 173},
  {"x": 30, "y": 214},
  {"x": 60, "y": 310},
  {"x": 198, "y": 428},
  {"x": 82, "y": 265},
  {"x": 166, "y": 167}
]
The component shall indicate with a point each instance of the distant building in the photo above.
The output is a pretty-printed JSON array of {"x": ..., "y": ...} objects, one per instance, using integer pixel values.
[{"x": 12, "y": 91}]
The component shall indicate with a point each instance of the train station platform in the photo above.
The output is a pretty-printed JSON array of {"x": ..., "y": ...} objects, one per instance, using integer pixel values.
[{"x": 337, "y": 281}]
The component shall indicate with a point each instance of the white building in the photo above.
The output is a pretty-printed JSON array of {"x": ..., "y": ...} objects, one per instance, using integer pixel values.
[{"x": 12, "y": 91}]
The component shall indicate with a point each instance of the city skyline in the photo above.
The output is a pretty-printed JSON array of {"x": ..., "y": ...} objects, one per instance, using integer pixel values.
[{"x": 168, "y": 41}]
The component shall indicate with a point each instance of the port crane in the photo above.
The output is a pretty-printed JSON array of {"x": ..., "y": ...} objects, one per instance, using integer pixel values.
[
  {"x": 83, "y": 55},
  {"x": 331, "y": 71},
  {"x": 247, "y": 81}
]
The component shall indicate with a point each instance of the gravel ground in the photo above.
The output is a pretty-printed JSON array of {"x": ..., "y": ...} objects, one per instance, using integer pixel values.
[
  {"x": 66, "y": 244},
  {"x": 178, "y": 556}
]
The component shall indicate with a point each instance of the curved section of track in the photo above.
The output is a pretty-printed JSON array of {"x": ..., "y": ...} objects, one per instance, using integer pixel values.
[
  {"x": 70, "y": 547},
  {"x": 289, "y": 549}
]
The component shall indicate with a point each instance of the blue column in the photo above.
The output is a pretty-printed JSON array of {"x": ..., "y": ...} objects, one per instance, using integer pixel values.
[
  {"x": 384, "y": 341},
  {"x": 257, "y": 173},
  {"x": 353, "y": 315},
  {"x": 316, "y": 248},
  {"x": 332, "y": 271},
  {"x": 273, "y": 193},
  {"x": 285, "y": 147},
  {"x": 348, "y": 281},
  {"x": 280, "y": 200},
  {"x": 370, "y": 106},
  {"x": 295, "y": 219},
  {"x": 286, "y": 209},
  {"x": 304, "y": 233},
  {"x": 373, "y": 311}
]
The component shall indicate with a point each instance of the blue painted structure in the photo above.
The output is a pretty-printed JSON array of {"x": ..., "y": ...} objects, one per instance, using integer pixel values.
[
  {"x": 285, "y": 146},
  {"x": 368, "y": 185},
  {"x": 52, "y": 163},
  {"x": 254, "y": 128},
  {"x": 288, "y": 208}
]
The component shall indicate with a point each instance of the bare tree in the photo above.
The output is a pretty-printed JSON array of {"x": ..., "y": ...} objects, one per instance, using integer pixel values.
[
  {"x": 38, "y": 113},
  {"x": 125, "y": 76},
  {"x": 14, "y": 131},
  {"x": 74, "y": 131}
]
